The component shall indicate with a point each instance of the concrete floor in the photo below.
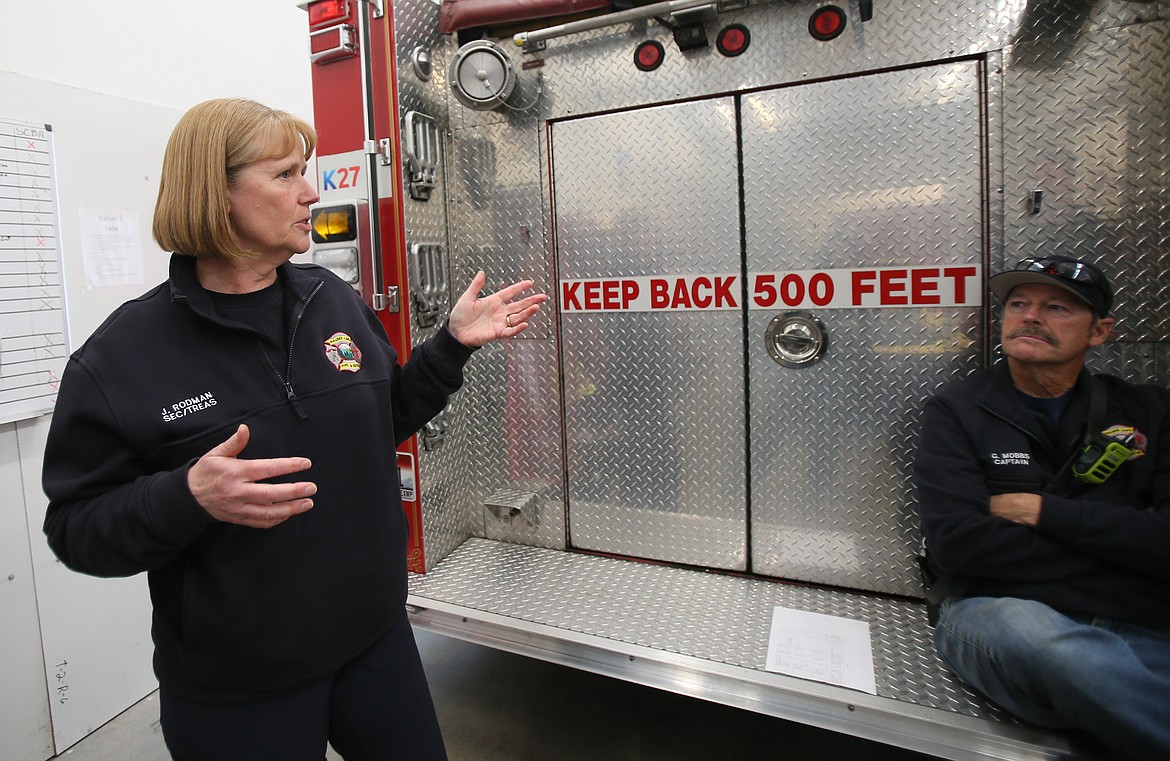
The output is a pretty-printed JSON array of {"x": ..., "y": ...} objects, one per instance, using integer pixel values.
[{"x": 495, "y": 706}]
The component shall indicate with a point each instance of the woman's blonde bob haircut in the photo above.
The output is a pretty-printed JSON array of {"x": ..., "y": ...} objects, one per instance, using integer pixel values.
[{"x": 209, "y": 147}]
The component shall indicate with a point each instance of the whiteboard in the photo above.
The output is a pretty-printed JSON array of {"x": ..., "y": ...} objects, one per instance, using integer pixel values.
[
  {"x": 94, "y": 633},
  {"x": 32, "y": 322}
]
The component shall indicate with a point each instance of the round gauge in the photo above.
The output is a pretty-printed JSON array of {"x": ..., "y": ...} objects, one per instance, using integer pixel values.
[{"x": 482, "y": 75}]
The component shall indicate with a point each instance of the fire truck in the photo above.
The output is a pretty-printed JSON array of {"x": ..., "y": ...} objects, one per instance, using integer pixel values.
[{"x": 766, "y": 229}]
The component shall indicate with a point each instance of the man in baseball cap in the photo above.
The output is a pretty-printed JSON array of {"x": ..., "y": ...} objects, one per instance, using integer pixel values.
[{"x": 1045, "y": 501}]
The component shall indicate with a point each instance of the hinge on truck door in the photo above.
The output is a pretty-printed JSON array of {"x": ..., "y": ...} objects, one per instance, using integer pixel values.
[{"x": 382, "y": 151}]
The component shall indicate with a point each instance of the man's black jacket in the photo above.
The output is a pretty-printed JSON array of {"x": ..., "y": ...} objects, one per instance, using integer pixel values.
[{"x": 1101, "y": 551}]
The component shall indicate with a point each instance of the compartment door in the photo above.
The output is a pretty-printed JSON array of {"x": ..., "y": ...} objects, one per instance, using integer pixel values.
[
  {"x": 647, "y": 201},
  {"x": 842, "y": 179}
]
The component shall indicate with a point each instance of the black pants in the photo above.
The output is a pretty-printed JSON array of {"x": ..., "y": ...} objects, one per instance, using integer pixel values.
[{"x": 376, "y": 708}]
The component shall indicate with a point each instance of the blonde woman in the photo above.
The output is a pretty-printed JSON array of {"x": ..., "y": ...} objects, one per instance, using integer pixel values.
[{"x": 209, "y": 434}]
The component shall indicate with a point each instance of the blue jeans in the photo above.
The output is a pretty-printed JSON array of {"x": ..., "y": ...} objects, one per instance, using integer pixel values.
[{"x": 1108, "y": 678}]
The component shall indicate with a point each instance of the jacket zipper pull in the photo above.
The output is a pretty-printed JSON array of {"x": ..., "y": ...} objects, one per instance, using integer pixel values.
[
  {"x": 287, "y": 378},
  {"x": 292, "y": 398}
]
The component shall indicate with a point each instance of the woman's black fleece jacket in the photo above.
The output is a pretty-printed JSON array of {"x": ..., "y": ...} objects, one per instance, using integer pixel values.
[{"x": 242, "y": 612}]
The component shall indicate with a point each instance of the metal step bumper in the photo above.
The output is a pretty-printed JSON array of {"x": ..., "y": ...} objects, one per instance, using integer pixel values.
[{"x": 705, "y": 635}]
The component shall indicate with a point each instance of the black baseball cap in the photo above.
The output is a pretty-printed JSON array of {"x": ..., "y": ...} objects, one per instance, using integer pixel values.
[{"x": 1080, "y": 278}]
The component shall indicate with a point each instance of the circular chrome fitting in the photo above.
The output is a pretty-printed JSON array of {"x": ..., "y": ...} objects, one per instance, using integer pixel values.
[
  {"x": 420, "y": 61},
  {"x": 796, "y": 339},
  {"x": 482, "y": 75}
]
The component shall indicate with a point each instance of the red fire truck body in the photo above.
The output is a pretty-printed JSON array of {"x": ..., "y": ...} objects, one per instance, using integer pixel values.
[{"x": 766, "y": 229}]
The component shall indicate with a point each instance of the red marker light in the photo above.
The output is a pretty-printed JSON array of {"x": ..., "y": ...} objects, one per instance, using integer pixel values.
[
  {"x": 826, "y": 23},
  {"x": 328, "y": 11},
  {"x": 649, "y": 55},
  {"x": 328, "y": 39},
  {"x": 733, "y": 40}
]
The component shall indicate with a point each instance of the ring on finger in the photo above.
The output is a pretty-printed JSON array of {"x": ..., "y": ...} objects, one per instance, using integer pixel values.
[{"x": 508, "y": 320}]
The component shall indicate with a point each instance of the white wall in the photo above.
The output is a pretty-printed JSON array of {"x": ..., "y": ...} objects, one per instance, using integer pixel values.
[
  {"x": 168, "y": 54},
  {"x": 112, "y": 79}
]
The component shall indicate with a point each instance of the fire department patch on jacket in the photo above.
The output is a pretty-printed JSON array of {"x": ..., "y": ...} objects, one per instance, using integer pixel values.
[
  {"x": 1130, "y": 437},
  {"x": 343, "y": 352}
]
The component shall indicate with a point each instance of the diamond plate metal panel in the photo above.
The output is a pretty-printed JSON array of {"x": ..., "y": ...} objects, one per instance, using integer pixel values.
[
  {"x": 415, "y": 25},
  {"x": 714, "y": 617},
  {"x": 654, "y": 400},
  {"x": 1134, "y": 361},
  {"x": 594, "y": 71},
  {"x": 487, "y": 211},
  {"x": 1077, "y": 97},
  {"x": 1116, "y": 47},
  {"x": 511, "y": 415},
  {"x": 1068, "y": 19},
  {"x": 1086, "y": 123},
  {"x": 866, "y": 172}
]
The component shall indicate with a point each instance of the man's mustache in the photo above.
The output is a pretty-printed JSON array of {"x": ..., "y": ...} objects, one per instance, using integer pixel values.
[{"x": 1034, "y": 332}]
